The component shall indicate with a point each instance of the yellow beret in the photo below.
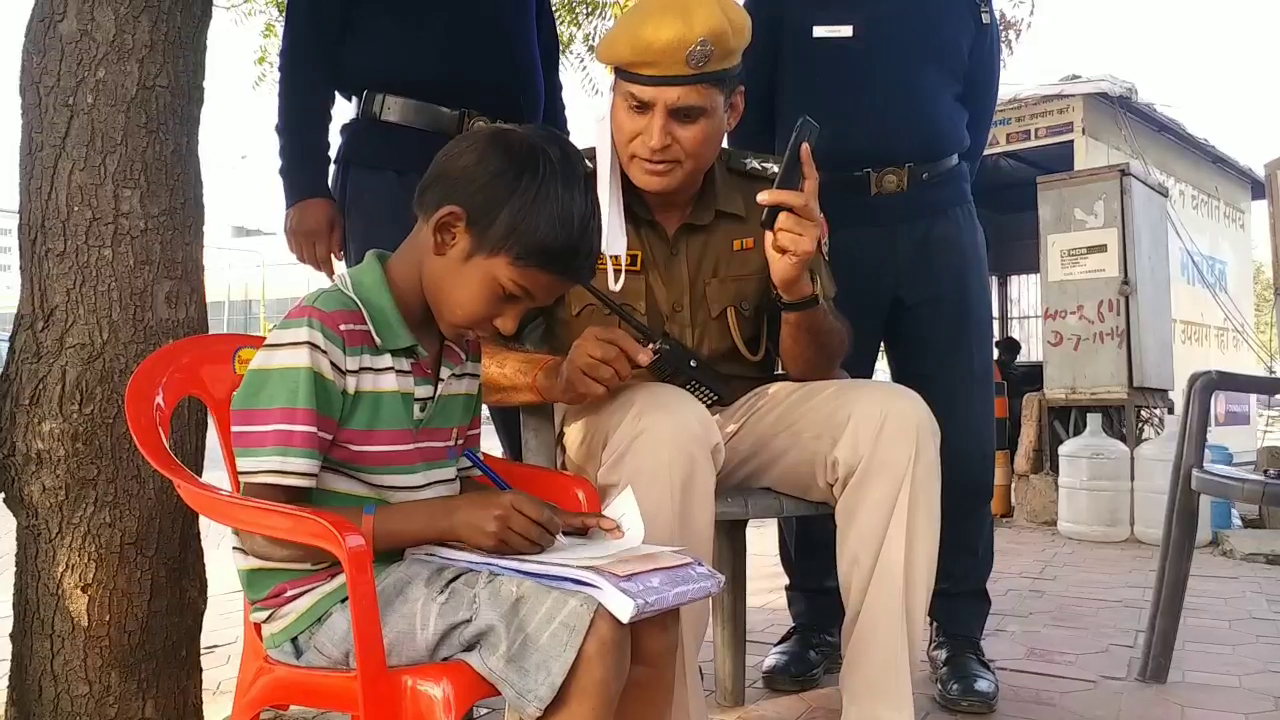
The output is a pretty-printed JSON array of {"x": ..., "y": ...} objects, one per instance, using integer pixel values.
[{"x": 676, "y": 42}]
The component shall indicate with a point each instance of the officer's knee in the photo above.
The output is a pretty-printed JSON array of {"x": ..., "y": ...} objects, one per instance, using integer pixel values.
[
  {"x": 902, "y": 413},
  {"x": 669, "y": 420}
]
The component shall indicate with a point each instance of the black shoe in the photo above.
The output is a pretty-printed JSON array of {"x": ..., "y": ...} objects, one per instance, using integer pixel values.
[
  {"x": 800, "y": 659},
  {"x": 965, "y": 681}
]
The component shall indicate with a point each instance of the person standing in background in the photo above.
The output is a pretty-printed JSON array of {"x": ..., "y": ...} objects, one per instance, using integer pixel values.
[
  {"x": 905, "y": 114},
  {"x": 420, "y": 73}
]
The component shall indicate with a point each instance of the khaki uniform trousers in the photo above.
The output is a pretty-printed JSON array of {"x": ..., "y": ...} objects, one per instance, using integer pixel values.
[{"x": 871, "y": 449}]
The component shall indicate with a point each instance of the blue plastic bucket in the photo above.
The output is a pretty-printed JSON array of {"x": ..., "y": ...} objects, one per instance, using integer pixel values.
[{"x": 1219, "y": 509}]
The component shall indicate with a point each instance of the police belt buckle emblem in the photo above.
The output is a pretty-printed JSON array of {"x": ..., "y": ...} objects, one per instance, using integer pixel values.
[
  {"x": 890, "y": 180},
  {"x": 472, "y": 121}
]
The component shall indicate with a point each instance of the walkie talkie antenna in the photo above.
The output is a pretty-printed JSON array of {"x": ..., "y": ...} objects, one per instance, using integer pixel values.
[{"x": 645, "y": 333}]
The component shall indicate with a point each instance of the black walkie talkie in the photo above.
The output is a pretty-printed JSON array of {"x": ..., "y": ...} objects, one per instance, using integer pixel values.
[{"x": 673, "y": 363}]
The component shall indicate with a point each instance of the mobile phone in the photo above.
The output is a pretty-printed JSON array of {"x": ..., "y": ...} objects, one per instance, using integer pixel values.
[{"x": 789, "y": 174}]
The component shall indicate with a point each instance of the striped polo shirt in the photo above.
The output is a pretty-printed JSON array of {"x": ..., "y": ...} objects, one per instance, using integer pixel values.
[{"x": 343, "y": 401}]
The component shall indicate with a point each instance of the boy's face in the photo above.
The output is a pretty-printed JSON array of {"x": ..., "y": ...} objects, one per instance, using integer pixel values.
[{"x": 480, "y": 296}]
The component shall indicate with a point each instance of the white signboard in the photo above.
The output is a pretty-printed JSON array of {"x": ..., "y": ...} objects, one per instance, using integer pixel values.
[
  {"x": 1084, "y": 254},
  {"x": 1032, "y": 123}
]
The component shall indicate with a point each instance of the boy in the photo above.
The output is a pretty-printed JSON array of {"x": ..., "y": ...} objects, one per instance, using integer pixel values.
[{"x": 362, "y": 400}]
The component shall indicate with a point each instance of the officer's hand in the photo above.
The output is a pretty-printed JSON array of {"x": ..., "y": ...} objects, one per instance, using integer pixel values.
[
  {"x": 314, "y": 230},
  {"x": 598, "y": 362},
  {"x": 795, "y": 237}
]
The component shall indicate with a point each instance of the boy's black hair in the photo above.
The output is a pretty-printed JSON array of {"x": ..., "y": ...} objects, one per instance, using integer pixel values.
[{"x": 528, "y": 196}]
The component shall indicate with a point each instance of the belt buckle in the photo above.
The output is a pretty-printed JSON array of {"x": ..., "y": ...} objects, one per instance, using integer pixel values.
[
  {"x": 890, "y": 180},
  {"x": 472, "y": 121}
]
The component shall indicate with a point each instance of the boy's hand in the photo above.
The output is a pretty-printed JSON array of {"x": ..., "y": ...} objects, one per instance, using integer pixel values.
[
  {"x": 513, "y": 523},
  {"x": 582, "y": 523},
  {"x": 504, "y": 523}
]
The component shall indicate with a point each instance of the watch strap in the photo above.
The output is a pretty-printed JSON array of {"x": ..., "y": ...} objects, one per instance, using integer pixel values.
[{"x": 805, "y": 303}]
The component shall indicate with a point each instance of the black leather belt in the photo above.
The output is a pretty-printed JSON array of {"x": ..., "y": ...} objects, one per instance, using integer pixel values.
[
  {"x": 894, "y": 180},
  {"x": 421, "y": 115}
]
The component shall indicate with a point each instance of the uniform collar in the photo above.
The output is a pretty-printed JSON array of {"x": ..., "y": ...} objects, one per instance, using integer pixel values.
[
  {"x": 716, "y": 195},
  {"x": 366, "y": 283}
]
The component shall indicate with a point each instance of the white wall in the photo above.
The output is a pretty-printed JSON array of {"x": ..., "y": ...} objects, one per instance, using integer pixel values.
[{"x": 1212, "y": 211}]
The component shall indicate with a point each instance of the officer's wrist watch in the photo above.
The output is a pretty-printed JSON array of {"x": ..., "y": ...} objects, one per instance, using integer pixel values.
[{"x": 804, "y": 303}]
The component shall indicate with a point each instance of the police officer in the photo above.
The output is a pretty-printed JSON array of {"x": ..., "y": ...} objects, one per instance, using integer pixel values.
[
  {"x": 698, "y": 266},
  {"x": 905, "y": 109},
  {"x": 421, "y": 72}
]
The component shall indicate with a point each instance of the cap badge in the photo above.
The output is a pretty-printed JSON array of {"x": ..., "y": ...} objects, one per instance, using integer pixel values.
[{"x": 699, "y": 54}]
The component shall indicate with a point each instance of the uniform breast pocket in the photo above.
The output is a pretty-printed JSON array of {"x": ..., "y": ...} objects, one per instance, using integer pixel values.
[
  {"x": 737, "y": 305},
  {"x": 586, "y": 311}
]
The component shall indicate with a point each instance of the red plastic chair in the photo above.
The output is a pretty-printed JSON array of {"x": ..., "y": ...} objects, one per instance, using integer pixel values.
[{"x": 209, "y": 368}]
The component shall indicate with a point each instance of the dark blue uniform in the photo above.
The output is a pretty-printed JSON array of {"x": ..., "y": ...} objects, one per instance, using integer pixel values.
[
  {"x": 893, "y": 84},
  {"x": 497, "y": 58}
]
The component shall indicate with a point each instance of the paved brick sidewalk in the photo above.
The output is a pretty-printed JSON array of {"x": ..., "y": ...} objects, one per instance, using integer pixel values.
[
  {"x": 1066, "y": 626},
  {"x": 1064, "y": 632}
]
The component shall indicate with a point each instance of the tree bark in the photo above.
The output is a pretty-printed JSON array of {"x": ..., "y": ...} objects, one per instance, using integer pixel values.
[{"x": 109, "y": 587}]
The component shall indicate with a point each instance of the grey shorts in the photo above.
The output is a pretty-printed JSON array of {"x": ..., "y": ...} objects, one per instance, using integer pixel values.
[{"x": 521, "y": 636}]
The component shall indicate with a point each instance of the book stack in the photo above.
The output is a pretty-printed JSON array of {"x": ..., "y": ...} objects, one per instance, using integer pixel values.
[{"x": 631, "y": 580}]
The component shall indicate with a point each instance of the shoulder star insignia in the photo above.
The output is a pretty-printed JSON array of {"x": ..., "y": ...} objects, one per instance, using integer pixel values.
[
  {"x": 752, "y": 163},
  {"x": 769, "y": 167}
]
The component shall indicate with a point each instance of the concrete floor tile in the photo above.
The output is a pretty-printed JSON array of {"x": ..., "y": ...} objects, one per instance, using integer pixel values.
[
  {"x": 1222, "y": 699},
  {"x": 1109, "y": 664},
  {"x": 1043, "y": 682},
  {"x": 1100, "y": 703},
  {"x": 1049, "y": 669},
  {"x": 1261, "y": 651},
  {"x": 1041, "y": 640},
  {"x": 1209, "y": 648},
  {"x": 1256, "y": 627},
  {"x": 1215, "y": 636},
  {"x": 1204, "y": 678},
  {"x": 1267, "y": 683},
  {"x": 1216, "y": 663},
  {"x": 1197, "y": 714}
]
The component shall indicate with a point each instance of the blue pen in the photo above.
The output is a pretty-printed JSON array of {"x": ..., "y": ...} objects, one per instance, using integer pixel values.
[
  {"x": 494, "y": 478},
  {"x": 485, "y": 470}
]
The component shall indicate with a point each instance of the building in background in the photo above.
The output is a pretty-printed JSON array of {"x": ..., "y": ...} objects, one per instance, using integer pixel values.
[
  {"x": 251, "y": 278},
  {"x": 8, "y": 257},
  {"x": 1081, "y": 123}
]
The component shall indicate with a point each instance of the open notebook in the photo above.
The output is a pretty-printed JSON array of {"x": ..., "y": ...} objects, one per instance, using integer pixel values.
[{"x": 630, "y": 579}]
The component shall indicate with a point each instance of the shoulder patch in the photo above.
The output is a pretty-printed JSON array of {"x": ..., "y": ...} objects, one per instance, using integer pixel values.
[{"x": 751, "y": 164}]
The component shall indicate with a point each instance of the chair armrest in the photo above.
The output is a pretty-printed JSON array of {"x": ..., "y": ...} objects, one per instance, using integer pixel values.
[
  {"x": 562, "y": 489},
  {"x": 306, "y": 526}
]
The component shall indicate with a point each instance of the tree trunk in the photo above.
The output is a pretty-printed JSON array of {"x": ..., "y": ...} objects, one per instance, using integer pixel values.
[{"x": 109, "y": 587}]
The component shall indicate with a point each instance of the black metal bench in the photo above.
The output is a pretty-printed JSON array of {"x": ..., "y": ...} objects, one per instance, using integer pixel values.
[
  {"x": 1189, "y": 479},
  {"x": 733, "y": 511}
]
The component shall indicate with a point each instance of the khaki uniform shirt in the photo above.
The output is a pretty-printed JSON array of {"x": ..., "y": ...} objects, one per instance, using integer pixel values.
[{"x": 707, "y": 285}]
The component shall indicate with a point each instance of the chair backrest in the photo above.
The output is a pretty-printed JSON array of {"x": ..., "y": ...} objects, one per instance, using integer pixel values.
[{"x": 208, "y": 368}]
